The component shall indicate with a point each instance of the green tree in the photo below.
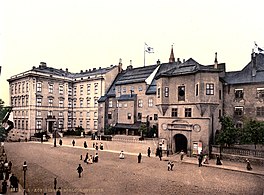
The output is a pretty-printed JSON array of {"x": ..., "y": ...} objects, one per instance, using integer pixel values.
[
  {"x": 228, "y": 134},
  {"x": 143, "y": 129},
  {"x": 252, "y": 133}
]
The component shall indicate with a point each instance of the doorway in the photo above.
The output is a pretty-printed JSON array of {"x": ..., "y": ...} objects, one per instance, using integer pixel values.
[{"x": 180, "y": 143}]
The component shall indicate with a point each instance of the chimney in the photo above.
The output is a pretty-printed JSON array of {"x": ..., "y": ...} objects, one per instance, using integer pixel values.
[
  {"x": 178, "y": 61},
  {"x": 130, "y": 66},
  {"x": 158, "y": 62},
  {"x": 43, "y": 64},
  {"x": 89, "y": 70},
  {"x": 215, "y": 62},
  {"x": 254, "y": 63},
  {"x": 94, "y": 69},
  {"x": 120, "y": 65},
  {"x": 66, "y": 69},
  {"x": 183, "y": 60},
  {"x": 81, "y": 71}
]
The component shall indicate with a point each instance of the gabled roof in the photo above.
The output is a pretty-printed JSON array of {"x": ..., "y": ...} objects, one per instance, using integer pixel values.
[{"x": 245, "y": 75}]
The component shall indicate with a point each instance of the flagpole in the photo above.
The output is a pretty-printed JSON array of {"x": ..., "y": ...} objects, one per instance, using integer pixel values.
[{"x": 144, "y": 54}]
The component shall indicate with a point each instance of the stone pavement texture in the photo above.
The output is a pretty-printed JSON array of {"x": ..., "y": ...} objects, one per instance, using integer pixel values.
[{"x": 133, "y": 148}]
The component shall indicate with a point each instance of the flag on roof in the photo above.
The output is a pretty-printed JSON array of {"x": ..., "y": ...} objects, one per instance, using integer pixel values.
[
  {"x": 8, "y": 121},
  {"x": 257, "y": 49},
  {"x": 148, "y": 49}
]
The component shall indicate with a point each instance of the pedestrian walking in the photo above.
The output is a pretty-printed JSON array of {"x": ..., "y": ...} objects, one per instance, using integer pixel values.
[
  {"x": 93, "y": 144},
  {"x": 139, "y": 157},
  {"x": 200, "y": 159},
  {"x": 157, "y": 152},
  {"x": 86, "y": 158},
  {"x": 90, "y": 159},
  {"x": 4, "y": 187},
  {"x": 160, "y": 154},
  {"x": 121, "y": 155},
  {"x": 149, "y": 151},
  {"x": 96, "y": 157},
  {"x": 248, "y": 165},
  {"x": 181, "y": 155},
  {"x": 55, "y": 183},
  {"x": 205, "y": 161},
  {"x": 13, "y": 183},
  {"x": 168, "y": 152},
  {"x": 218, "y": 161},
  {"x": 79, "y": 170},
  {"x": 171, "y": 165},
  {"x": 60, "y": 142},
  {"x": 81, "y": 157},
  {"x": 85, "y": 144},
  {"x": 101, "y": 146},
  {"x": 73, "y": 142},
  {"x": 96, "y": 146}
]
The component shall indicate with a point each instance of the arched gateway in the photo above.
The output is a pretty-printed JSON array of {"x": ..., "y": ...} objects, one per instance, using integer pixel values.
[{"x": 180, "y": 143}]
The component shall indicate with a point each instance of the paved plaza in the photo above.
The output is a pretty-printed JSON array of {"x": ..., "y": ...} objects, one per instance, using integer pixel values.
[{"x": 112, "y": 175}]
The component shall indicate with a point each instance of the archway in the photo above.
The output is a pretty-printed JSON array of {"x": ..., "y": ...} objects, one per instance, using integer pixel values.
[{"x": 180, "y": 143}]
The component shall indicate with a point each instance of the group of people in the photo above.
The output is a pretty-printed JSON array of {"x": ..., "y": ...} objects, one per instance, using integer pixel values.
[
  {"x": 5, "y": 171},
  {"x": 88, "y": 159}
]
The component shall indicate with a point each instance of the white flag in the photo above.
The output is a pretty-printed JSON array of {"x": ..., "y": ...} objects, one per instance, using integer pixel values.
[{"x": 148, "y": 49}]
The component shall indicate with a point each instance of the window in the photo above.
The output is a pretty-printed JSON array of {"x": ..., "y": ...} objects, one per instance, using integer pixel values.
[
  {"x": 60, "y": 114},
  {"x": 150, "y": 102},
  {"x": 155, "y": 117},
  {"x": 87, "y": 114},
  {"x": 239, "y": 125},
  {"x": 69, "y": 114},
  {"x": 158, "y": 93},
  {"x": 74, "y": 114},
  {"x": 38, "y": 125},
  {"x": 181, "y": 93},
  {"x": 96, "y": 88},
  {"x": 95, "y": 124},
  {"x": 88, "y": 89},
  {"x": 81, "y": 114},
  {"x": 26, "y": 125},
  {"x": 61, "y": 103},
  {"x": 128, "y": 116},
  {"x": 38, "y": 113},
  {"x": 39, "y": 100},
  {"x": 95, "y": 114},
  {"x": 38, "y": 87},
  {"x": 50, "y": 88},
  {"x": 260, "y": 111},
  {"x": 18, "y": 124},
  {"x": 74, "y": 103},
  {"x": 74, "y": 123},
  {"x": 50, "y": 102},
  {"x": 124, "y": 89},
  {"x": 139, "y": 116},
  {"x": 88, "y": 102},
  {"x": 140, "y": 103},
  {"x": 110, "y": 103},
  {"x": 119, "y": 105},
  {"x": 23, "y": 86},
  {"x": 239, "y": 93},
  {"x": 70, "y": 90},
  {"x": 23, "y": 101},
  {"x": 81, "y": 90},
  {"x": 220, "y": 113},
  {"x": 109, "y": 115},
  {"x": 260, "y": 93},
  {"x": 70, "y": 103},
  {"x": 74, "y": 91},
  {"x": 132, "y": 89},
  {"x": 22, "y": 125},
  {"x": 140, "y": 88},
  {"x": 188, "y": 112},
  {"x": 61, "y": 89},
  {"x": 60, "y": 124},
  {"x": 26, "y": 101},
  {"x": 220, "y": 94},
  {"x": 197, "y": 90},
  {"x": 125, "y": 105},
  {"x": 80, "y": 123},
  {"x": 238, "y": 111},
  {"x": 95, "y": 101},
  {"x": 209, "y": 89},
  {"x": 19, "y": 88},
  {"x": 88, "y": 124},
  {"x": 166, "y": 92},
  {"x": 174, "y": 112},
  {"x": 50, "y": 113},
  {"x": 27, "y": 86},
  {"x": 81, "y": 102}
]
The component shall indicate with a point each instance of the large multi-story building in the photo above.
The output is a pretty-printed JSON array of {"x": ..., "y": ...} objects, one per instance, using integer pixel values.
[
  {"x": 45, "y": 96},
  {"x": 181, "y": 101}
]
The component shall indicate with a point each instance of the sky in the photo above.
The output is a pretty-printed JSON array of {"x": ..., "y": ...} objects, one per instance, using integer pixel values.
[{"x": 85, "y": 34}]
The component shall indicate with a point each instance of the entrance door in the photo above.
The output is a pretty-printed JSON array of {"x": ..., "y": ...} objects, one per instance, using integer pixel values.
[
  {"x": 180, "y": 143},
  {"x": 50, "y": 123}
]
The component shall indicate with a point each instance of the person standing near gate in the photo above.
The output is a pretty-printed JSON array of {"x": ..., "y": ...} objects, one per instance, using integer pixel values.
[{"x": 149, "y": 151}]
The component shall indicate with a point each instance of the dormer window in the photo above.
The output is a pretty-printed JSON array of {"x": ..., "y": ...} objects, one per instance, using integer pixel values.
[{"x": 260, "y": 93}]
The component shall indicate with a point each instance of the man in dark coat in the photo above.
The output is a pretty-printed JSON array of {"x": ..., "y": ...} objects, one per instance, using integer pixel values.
[
  {"x": 200, "y": 159},
  {"x": 73, "y": 143},
  {"x": 79, "y": 170},
  {"x": 60, "y": 142},
  {"x": 85, "y": 144},
  {"x": 139, "y": 157},
  {"x": 149, "y": 151}
]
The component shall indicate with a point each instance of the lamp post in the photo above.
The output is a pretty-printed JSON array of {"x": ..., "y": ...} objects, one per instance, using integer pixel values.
[
  {"x": 25, "y": 170},
  {"x": 55, "y": 132}
]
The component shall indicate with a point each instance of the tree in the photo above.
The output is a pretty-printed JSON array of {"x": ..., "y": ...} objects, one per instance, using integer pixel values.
[
  {"x": 252, "y": 133},
  {"x": 228, "y": 134},
  {"x": 143, "y": 129}
]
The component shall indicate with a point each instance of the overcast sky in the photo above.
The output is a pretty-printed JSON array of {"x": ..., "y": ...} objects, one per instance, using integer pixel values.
[{"x": 83, "y": 34}]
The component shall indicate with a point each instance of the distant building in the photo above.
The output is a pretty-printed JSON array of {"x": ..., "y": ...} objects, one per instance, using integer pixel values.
[{"x": 45, "y": 96}]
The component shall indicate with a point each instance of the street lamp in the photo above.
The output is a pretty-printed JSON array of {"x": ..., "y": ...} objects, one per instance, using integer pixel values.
[
  {"x": 55, "y": 132},
  {"x": 25, "y": 169}
]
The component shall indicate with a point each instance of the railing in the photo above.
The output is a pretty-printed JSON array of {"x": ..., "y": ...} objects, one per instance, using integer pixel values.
[{"x": 238, "y": 151}]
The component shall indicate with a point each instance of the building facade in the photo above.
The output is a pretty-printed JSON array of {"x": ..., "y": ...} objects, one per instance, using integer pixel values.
[{"x": 45, "y": 97}]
